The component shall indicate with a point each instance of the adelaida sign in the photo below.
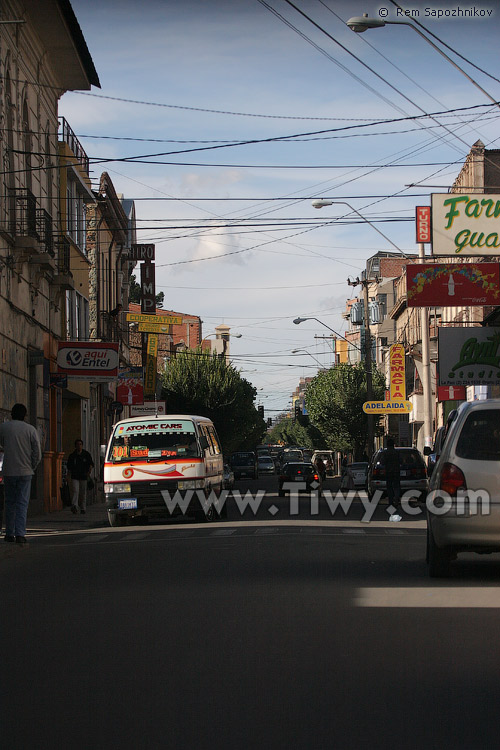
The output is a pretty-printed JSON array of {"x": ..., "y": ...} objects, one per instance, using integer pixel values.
[
  {"x": 88, "y": 361},
  {"x": 465, "y": 224}
]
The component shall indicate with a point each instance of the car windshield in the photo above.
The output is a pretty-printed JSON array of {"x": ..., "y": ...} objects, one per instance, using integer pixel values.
[
  {"x": 148, "y": 441},
  {"x": 243, "y": 459},
  {"x": 480, "y": 436}
]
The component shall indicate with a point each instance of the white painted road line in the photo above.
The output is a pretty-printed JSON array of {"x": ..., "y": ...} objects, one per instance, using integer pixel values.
[{"x": 443, "y": 597}]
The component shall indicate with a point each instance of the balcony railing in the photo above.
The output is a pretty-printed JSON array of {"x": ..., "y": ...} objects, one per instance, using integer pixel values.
[
  {"x": 62, "y": 254},
  {"x": 66, "y": 135},
  {"x": 45, "y": 230},
  {"x": 23, "y": 214}
]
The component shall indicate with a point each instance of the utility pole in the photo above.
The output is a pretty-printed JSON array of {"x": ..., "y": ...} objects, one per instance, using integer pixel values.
[{"x": 368, "y": 362}]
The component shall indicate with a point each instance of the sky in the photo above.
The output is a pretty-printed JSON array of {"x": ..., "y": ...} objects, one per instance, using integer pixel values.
[{"x": 232, "y": 119}]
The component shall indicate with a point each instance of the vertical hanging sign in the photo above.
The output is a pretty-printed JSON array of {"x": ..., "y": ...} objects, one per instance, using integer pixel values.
[
  {"x": 423, "y": 223},
  {"x": 397, "y": 373},
  {"x": 150, "y": 370}
]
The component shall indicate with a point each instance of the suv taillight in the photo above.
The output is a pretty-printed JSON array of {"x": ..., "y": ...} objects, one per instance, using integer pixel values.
[
  {"x": 452, "y": 479},
  {"x": 378, "y": 473}
]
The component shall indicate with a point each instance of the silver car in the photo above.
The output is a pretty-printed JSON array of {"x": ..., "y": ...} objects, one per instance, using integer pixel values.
[{"x": 464, "y": 512}]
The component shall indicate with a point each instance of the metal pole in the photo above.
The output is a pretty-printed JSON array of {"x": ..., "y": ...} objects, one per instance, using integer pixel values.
[
  {"x": 368, "y": 367},
  {"x": 426, "y": 367}
]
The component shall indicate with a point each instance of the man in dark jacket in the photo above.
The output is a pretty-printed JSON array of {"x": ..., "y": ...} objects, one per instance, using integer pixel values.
[
  {"x": 79, "y": 466},
  {"x": 392, "y": 474}
]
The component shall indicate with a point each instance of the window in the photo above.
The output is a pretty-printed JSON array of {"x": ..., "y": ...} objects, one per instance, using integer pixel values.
[
  {"x": 76, "y": 215},
  {"x": 77, "y": 317},
  {"x": 480, "y": 436}
]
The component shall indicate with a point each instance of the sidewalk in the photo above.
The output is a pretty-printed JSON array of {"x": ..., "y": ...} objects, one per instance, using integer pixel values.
[{"x": 65, "y": 520}]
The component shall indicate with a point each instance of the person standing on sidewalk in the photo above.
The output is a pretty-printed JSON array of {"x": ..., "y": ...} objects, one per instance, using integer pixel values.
[
  {"x": 22, "y": 454},
  {"x": 80, "y": 465}
]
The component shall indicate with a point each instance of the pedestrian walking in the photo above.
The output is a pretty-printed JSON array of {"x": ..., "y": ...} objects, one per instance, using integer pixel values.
[
  {"x": 80, "y": 465},
  {"x": 22, "y": 454},
  {"x": 392, "y": 475}
]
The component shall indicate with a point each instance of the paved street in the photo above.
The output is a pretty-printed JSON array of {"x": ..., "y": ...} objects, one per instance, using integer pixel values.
[{"x": 303, "y": 634}]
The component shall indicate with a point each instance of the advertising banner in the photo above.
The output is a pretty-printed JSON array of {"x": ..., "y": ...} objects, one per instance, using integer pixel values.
[
  {"x": 469, "y": 356},
  {"x": 452, "y": 284},
  {"x": 84, "y": 360},
  {"x": 130, "y": 390},
  {"x": 451, "y": 393},
  {"x": 397, "y": 376},
  {"x": 465, "y": 225},
  {"x": 148, "y": 408},
  {"x": 154, "y": 319}
]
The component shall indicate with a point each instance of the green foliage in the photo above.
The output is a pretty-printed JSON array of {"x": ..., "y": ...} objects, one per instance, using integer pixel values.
[
  {"x": 293, "y": 432},
  {"x": 334, "y": 401},
  {"x": 196, "y": 382}
]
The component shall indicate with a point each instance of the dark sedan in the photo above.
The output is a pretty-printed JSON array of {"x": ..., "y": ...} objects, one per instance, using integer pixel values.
[{"x": 299, "y": 472}]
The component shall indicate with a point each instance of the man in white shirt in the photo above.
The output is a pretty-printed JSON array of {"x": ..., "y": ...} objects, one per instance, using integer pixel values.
[{"x": 22, "y": 454}]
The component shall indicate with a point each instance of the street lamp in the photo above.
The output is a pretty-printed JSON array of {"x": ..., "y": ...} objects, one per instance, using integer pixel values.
[
  {"x": 297, "y": 322},
  {"x": 360, "y": 24},
  {"x": 322, "y": 203},
  {"x": 296, "y": 351}
]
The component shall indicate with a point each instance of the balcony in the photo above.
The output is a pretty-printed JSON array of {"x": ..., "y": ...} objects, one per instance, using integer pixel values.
[
  {"x": 22, "y": 223},
  {"x": 66, "y": 135},
  {"x": 63, "y": 278}
]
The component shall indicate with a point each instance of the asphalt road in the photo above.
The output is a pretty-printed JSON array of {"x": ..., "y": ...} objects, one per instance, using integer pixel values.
[{"x": 278, "y": 634}]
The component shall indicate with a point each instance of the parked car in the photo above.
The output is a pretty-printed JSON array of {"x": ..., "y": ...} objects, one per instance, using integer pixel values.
[
  {"x": 469, "y": 462},
  {"x": 265, "y": 465},
  {"x": 228, "y": 477},
  {"x": 299, "y": 472},
  {"x": 412, "y": 472},
  {"x": 244, "y": 464},
  {"x": 355, "y": 476}
]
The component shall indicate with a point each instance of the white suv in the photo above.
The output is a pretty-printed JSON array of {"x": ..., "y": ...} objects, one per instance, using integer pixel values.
[{"x": 467, "y": 478}]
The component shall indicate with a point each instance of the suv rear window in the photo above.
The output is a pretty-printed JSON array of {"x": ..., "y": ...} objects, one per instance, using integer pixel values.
[
  {"x": 408, "y": 459},
  {"x": 480, "y": 436}
]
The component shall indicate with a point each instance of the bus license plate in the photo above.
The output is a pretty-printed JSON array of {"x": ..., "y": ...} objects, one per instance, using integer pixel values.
[{"x": 129, "y": 504}]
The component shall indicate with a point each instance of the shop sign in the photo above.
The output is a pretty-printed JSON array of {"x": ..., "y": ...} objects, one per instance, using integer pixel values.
[
  {"x": 392, "y": 407},
  {"x": 148, "y": 408},
  {"x": 423, "y": 223},
  {"x": 469, "y": 356},
  {"x": 397, "y": 373},
  {"x": 452, "y": 284},
  {"x": 87, "y": 360},
  {"x": 465, "y": 225}
]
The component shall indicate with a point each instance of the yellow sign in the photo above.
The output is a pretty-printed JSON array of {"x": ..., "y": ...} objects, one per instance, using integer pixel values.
[
  {"x": 397, "y": 372},
  {"x": 150, "y": 373},
  {"x": 394, "y": 407},
  {"x": 166, "y": 320},
  {"x": 153, "y": 328}
]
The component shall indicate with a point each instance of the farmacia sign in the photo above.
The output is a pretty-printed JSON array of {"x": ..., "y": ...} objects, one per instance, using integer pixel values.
[{"x": 466, "y": 225}]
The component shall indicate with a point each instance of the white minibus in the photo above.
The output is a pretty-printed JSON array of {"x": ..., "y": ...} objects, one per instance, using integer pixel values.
[{"x": 154, "y": 465}]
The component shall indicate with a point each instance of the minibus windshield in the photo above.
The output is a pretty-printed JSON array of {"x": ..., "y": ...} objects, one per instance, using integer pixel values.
[{"x": 153, "y": 441}]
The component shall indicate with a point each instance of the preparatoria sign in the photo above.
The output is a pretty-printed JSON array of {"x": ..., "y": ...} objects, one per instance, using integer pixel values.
[{"x": 465, "y": 225}]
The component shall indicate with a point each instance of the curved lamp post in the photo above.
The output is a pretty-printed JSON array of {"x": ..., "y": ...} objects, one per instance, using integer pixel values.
[
  {"x": 359, "y": 24},
  {"x": 296, "y": 351}
]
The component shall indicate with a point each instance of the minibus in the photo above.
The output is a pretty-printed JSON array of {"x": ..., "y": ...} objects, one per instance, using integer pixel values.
[{"x": 152, "y": 461}]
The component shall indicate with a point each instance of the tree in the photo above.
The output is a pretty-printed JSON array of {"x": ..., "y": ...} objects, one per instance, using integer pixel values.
[
  {"x": 295, "y": 432},
  {"x": 197, "y": 382},
  {"x": 335, "y": 400},
  {"x": 134, "y": 293}
]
